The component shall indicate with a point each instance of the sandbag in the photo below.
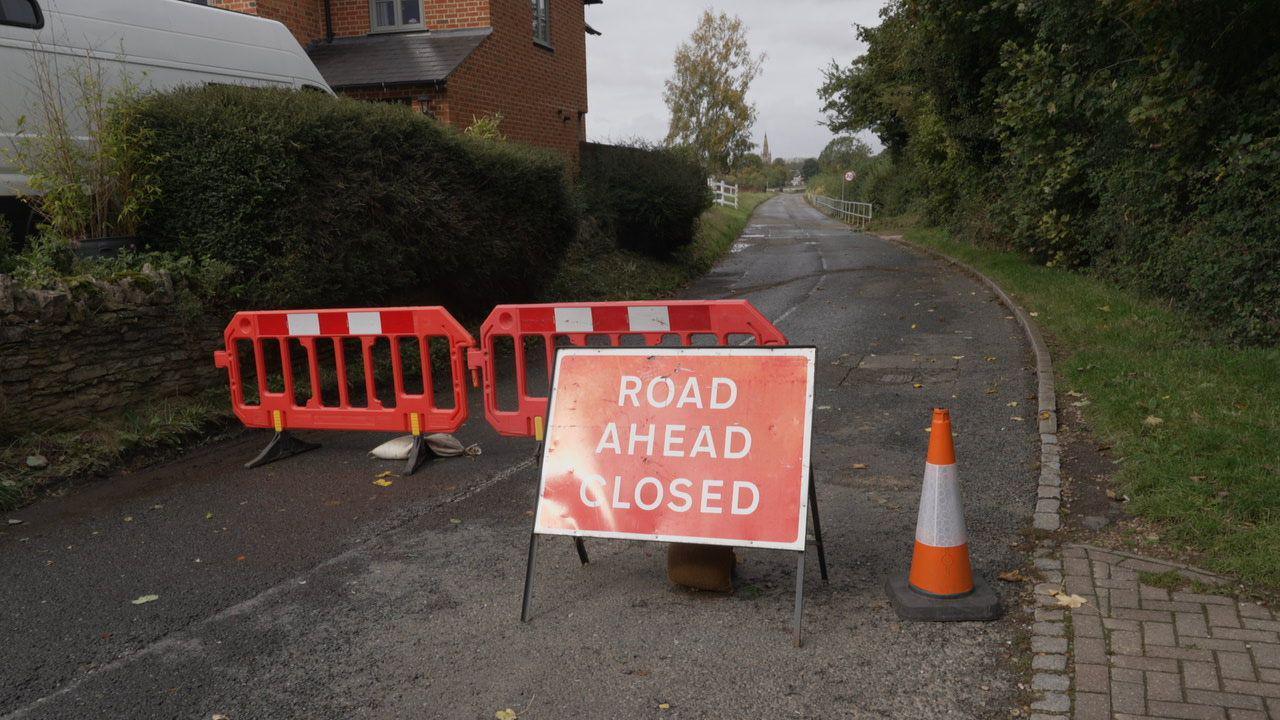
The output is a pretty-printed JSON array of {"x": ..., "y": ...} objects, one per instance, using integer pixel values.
[
  {"x": 703, "y": 567},
  {"x": 442, "y": 444}
]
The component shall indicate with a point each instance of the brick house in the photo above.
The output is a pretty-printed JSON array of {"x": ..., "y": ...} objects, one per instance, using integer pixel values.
[{"x": 456, "y": 60}]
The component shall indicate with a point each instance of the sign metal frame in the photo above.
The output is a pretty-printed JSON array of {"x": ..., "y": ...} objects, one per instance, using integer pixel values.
[{"x": 808, "y": 489}]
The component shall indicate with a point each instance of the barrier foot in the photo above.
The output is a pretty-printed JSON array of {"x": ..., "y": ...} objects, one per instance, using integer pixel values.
[
  {"x": 419, "y": 454},
  {"x": 283, "y": 445}
]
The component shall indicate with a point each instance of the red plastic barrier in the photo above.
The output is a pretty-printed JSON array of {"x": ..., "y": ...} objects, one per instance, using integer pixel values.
[
  {"x": 366, "y": 406},
  {"x": 655, "y": 322}
]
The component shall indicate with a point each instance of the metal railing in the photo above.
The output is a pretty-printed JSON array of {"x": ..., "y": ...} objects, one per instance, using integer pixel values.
[
  {"x": 855, "y": 213},
  {"x": 726, "y": 194}
]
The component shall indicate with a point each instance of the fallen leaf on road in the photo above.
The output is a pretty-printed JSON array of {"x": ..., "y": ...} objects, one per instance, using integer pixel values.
[
  {"x": 145, "y": 599},
  {"x": 380, "y": 482},
  {"x": 991, "y": 391},
  {"x": 859, "y": 466},
  {"x": 916, "y": 385},
  {"x": 386, "y": 473},
  {"x": 208, "y": 516},
  {"x": 1015, "y": 418},
  {"x": 219, "y": 716},
  {"x": 1012, "y": 576},
  {"x": 913, "y": 326},
  {"x": 507, "y": 714},
  {"x": 1153, "y": 421},
  {"x": 455, "y": 521},
  {"x": 15, "y": 521},
  {"x": 128, "y": 518},
  {"x": 957, "y": 357},
  {"x": 239, "y": 558},
  {"x": 1071, "y": 601},
  {"x": 1013, "y": 404},
  {"x": 990, "y": 358},
  {"x": 664, "y": 706}
]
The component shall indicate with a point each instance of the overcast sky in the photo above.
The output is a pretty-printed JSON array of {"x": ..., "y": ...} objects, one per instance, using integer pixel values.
[{"x": 626, "y": 66}]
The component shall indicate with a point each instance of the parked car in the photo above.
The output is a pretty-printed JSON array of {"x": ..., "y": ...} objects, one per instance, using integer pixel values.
[{"x": 156, "y": 44}]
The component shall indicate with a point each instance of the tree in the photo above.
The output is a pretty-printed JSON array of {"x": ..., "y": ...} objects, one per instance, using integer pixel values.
[
  {"x": 707, "y": 95},
  {"x": 809, "y": 168},
  {"x": 844, "y": 153}
]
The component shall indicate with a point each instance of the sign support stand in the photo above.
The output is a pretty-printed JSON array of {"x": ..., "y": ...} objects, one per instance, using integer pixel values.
[
  {"x": 580, "y": 546},
  {"x": 798, "y": 619}
]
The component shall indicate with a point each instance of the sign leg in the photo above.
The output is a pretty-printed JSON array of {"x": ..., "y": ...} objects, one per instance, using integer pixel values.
[
  {"x": 799, "y": 615},
  {"x": 528, "y": 580},
  {"x": 582, "y": 550},
  {"x": 817, "y": 527}
]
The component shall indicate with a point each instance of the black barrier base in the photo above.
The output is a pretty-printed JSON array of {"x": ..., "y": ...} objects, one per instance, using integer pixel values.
[
  {"x": 283, "y": 445},
  {"x": 909, "y": 604},
  {"x": 419, "y": 454}
]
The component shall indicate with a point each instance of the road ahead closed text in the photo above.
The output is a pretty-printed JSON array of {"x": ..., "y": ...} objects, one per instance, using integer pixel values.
[{"x": 689, "y": 444}]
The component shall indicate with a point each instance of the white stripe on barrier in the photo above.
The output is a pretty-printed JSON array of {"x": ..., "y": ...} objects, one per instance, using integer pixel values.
[
  {"x": 304, "y": 323},
  {"x": 364, "y": 323},
  {"x": 941, "y": 519},
  {"x": 649, "y": 319},
  {"x": 573, "y": 320}
]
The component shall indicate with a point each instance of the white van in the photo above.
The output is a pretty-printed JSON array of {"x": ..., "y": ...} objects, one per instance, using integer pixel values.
[{"x": 158, "y": 44}]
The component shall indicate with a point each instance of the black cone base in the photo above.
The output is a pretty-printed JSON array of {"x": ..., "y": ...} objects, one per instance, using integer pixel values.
[{"x": 981, "y": 604}]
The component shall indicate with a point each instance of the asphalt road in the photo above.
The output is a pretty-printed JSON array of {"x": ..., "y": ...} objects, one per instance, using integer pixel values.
[{"x": 302, "y": 590}]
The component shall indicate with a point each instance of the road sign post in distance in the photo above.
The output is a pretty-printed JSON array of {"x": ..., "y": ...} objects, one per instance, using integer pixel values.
[{"x": 692, "y": 445}]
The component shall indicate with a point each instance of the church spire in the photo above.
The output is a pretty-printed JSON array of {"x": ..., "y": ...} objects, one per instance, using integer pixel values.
[{"x": 764, "y": 151}]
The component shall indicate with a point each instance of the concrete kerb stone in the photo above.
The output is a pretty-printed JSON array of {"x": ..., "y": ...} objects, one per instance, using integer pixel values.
[
  {"x": 1048, "y": 641},
  {"x": 1047, "y": 515}
]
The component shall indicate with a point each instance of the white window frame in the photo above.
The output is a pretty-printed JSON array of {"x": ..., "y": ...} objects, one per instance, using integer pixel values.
[
  {"x": 398, "y": 26},
  {"x": 542, "y": 22}
]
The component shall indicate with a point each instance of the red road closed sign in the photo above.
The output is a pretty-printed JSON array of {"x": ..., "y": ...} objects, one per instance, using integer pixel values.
[{"x": 697, "y": 445}]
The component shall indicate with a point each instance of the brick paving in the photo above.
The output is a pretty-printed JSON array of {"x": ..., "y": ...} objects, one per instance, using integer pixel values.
[{"x": 1136, "y": 652}]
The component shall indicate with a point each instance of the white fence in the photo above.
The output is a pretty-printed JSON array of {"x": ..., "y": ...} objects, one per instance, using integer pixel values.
[
  {"x": 855, "y": 213},
  {"x": 726, "y": 194}
]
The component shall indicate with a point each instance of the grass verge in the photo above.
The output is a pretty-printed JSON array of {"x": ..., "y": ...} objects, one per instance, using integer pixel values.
[
  {"x": 1194, "y": 424},
  {"x": 614, "y": 274}
]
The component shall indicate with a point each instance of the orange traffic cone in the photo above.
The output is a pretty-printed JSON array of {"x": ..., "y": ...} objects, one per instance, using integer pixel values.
[{"x": 941, "y": 585}]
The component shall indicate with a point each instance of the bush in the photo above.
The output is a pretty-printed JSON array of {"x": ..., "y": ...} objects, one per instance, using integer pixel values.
[
  {"x": 314, "y": 200},
  {"x": 651, "y": 197}
]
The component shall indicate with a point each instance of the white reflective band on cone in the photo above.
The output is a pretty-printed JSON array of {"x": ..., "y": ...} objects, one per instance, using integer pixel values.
[{"x": 941, "y": 520}]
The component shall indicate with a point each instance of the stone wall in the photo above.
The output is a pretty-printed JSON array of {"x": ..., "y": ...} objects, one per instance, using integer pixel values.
[{"x": 67, "y": 355}]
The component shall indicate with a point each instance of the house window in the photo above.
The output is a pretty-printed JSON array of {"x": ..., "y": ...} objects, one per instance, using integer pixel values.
[
  {"x": 542, "y": 22},
  {"x": 396, "y": 14},
  {"x": 23, "y": 13}
]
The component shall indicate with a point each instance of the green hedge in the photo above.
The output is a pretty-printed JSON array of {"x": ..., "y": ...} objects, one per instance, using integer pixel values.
[
  {"x": 323, "y": 201},
  {"x": 650, "y": 198}
]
